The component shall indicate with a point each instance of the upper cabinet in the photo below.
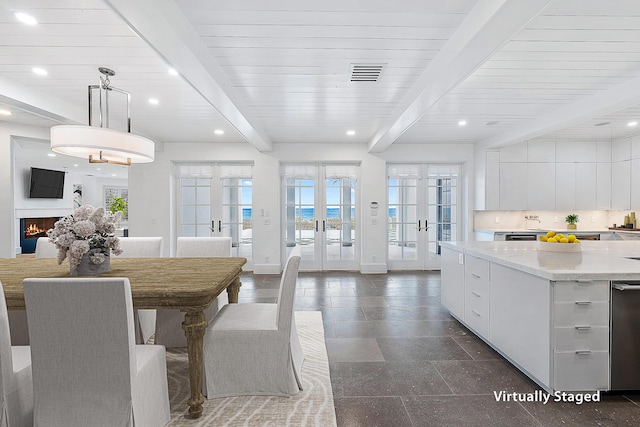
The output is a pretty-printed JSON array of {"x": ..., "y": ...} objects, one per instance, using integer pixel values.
[{"x": 549, "y": 175}]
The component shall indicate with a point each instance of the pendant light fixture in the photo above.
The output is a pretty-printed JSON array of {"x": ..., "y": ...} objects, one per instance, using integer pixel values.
[{"x": 100, "y": 144}]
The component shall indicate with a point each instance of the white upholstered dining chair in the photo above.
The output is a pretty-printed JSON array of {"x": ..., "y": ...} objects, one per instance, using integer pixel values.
[
  {"x": 16, "y": 386},
  {"x": 104, "y": 380},
  {"x": 18, "y": 319},
  {"x": 254, "y": 349},
  {"x": 45, "y": 248},
  {"x": 169, "y": 331},
  {"x": 142, "y": 247}
]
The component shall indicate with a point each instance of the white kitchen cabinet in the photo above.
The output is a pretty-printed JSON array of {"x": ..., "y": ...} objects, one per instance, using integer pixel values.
[
  {"x": 635, "y": 188},
  {"x": 581, "y": 335},
  {"x": 513, "y": 186},
  {"x": 541, "y": 186},
  {"x": 520, "y": 319},
  {"x": 565, "y": 186},
  {"x": 586, "y": 186},
  {"x": 492, "y": 181},
  {"x": 621, "y": 185},
  {"x": 476, "y": 295},
  {"x": 603, "y": 186},
  {"x": 452, "y": 281}
]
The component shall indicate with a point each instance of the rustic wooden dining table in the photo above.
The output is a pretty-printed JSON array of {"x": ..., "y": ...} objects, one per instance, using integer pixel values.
[{"x": 186, "y": 284}]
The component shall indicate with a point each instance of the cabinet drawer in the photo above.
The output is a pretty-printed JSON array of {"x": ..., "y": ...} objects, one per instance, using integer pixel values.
[
  {"x": 581, "y": 372},
  {"x": 581, "y": 313},
  {"x": 581, "y": 338},
  {"x": 477, "y": 268},
  {"x": 594, "y": 290},
  {"x": 477, "y": 320}
]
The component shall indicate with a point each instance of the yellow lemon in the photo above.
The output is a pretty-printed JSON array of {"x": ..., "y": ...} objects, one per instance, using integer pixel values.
[
  {"x": 543, "y": 238},
  {"x": 559, "y": 236},
  {"x": 551, "y": 240},
  {"x": 576, "y": 241},
  {"x": 564, "y": 240},
  {"x": 571, "y": 238},
  {"x": 551, "y": 233}
]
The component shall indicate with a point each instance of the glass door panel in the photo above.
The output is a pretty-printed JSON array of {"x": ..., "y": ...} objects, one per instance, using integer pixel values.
[
  {"x": 423, "y": 211},
  {"x": 300, "y": 222},
  {"x": 237, "y": 215},
  {"x": 217, "y": 205},
  {"x": 339, "y": 224},
  {"x": 320, "y": 216}
]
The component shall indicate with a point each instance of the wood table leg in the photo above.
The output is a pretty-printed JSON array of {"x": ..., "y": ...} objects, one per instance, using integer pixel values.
[
  {"x": 195, "y": 325},
  {"x": 233, "y": 290}
]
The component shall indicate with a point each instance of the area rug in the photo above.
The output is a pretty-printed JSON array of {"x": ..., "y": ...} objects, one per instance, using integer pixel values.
[{"x": 313, "y": 406}]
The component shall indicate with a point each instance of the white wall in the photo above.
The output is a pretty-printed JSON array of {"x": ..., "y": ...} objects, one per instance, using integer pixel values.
[
  {"x": 7, "y": 214},
  {"x": 152, "y": 192}
]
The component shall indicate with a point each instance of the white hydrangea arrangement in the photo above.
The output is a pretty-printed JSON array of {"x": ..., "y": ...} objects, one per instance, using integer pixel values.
[{"x": 87, "y": 229}]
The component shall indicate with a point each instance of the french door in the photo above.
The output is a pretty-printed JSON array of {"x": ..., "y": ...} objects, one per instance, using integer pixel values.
[
  {"x": 424, "y": 204},
  {"x": 216, "y": 200},
  {"x": 319, "y": 214}
]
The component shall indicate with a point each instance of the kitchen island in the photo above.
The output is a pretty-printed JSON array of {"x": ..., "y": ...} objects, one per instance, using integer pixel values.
[{"x": 548, "y": 313}]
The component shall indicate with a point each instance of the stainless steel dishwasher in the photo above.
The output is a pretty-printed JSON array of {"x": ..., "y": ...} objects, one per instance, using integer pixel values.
[{"x": 625, "y": 335}]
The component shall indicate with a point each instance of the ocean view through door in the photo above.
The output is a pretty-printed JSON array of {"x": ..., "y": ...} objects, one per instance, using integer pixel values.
[
  {"x": 424, "y": 201},
  {"x": 320, "y": 215}
]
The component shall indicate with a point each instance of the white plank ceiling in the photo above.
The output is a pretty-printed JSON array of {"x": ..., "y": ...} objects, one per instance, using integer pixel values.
[{"x": 278, "y": 71}]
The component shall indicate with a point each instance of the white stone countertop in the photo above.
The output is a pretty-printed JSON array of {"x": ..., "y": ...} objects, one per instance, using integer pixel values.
[
  {"x": 598, "y": 260},
  {"x": 544, "y": 230}
]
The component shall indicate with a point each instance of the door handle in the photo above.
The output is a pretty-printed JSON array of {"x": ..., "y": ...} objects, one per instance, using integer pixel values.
[
  {"x": 419, "y": 228},
  {"x": 426, "y": 224},
  {"x": 324, "y": 226},
  {"x": 219, "y": 226},
  {"x": 213, "y": 225},
  {"x": 316, "y": 225}
]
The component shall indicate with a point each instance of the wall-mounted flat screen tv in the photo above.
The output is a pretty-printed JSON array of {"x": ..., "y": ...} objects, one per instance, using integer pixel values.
[{"x": 46, "y": 184}]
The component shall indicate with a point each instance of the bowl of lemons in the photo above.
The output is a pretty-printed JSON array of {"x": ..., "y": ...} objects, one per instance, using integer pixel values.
[{"x": 558, "y": 242}]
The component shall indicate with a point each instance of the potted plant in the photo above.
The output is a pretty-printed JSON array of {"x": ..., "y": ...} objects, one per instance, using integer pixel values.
[
  {"x": 571, "y": 220},
  {"x": 87, "y": 238},
  {"x": 118, "y": 204}
]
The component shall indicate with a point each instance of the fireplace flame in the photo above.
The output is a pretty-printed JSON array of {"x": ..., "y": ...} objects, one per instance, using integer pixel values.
[{"x": 33, "y": 229}]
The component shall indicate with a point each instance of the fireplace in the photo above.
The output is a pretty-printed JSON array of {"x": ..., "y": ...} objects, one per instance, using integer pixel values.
[{"x": 31, "y": 229}]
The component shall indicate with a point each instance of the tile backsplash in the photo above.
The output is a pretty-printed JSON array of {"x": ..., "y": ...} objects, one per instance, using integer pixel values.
[{"x": 515, "y": 220}]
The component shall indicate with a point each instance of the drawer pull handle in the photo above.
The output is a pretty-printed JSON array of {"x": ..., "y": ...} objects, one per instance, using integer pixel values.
[
  {"x": 476, "y": 313},
  {"x": 583, "y": 328},
  {"x": 477, "y": 276},
  {"x": 476, "y": 294},
  {"x": 583, "y": 302},
  {"x": 582, "y": 352}
]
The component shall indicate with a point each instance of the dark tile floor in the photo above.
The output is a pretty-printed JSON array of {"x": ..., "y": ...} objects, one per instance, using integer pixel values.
[{"x": 397, "y": 358}]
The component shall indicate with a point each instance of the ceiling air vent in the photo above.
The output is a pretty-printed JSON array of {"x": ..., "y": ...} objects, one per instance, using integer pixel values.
[{"x": 365, "y": 72}]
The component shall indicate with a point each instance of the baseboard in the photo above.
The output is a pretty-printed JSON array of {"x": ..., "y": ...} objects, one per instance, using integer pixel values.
[
  {"x": 266, "y": 269},
  {"x": 373, "y": 268}
]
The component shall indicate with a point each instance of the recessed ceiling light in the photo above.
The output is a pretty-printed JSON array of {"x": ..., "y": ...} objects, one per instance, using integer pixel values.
[
  {"x": 98, "y": 169},
  {"x": 173, "y": 71},
  {"x": 153, "y": 101},
  {"x": 632, "y": 123},
  {"x": 218, "y": 132},
  {"x": 351, "y": 132},
  {"x": 113, "y": 174},
  {"x": 462, "y": 123},
  {"x": 39, "y": 71},
  {"x": 75, "y": 165},
  {"x": 5, "y": 113},
  {"x": 24, "y": 18},
  {"x": 51, "y": 155},
  {"x": 602, "y": 124}
]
